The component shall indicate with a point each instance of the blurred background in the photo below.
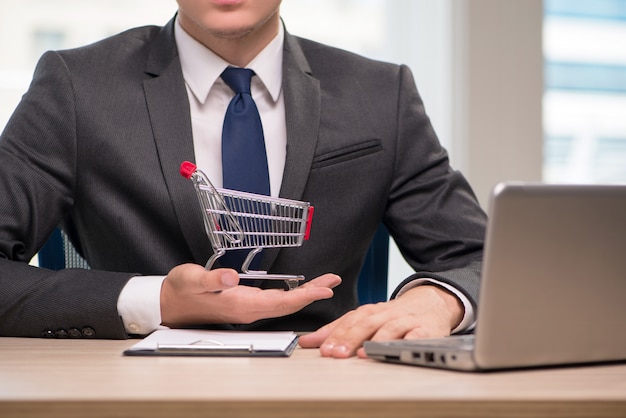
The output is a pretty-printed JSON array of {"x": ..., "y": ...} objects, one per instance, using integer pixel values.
[{"x": 516, "y": 89}]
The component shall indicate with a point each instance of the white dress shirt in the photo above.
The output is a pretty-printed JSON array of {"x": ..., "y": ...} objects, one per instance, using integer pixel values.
[{"x": 209, "y": 96}]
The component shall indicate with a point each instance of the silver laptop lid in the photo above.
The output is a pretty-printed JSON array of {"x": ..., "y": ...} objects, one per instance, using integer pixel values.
[{"x": 554, "y": 276}]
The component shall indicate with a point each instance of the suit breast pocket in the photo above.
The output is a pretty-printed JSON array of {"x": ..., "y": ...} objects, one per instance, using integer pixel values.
[{"x": 347, "y": 153}]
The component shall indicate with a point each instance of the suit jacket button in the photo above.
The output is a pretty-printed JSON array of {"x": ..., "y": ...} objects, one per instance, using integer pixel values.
[
  {"x": 47, "y": 334},
  {"x": 74, "y": 333},
  {"x": 61, "y": 333},
  {"x": 88, "y": 332}
]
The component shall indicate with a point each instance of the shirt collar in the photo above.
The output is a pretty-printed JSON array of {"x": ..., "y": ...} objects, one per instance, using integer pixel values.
[{"x": 202, "y": 67}]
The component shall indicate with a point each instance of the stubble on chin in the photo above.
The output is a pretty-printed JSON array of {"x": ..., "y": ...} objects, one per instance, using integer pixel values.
[{"x": 230, "y": 35}]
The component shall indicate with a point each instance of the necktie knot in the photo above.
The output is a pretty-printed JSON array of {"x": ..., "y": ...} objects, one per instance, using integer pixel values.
[{"x": 238, "y": 79}]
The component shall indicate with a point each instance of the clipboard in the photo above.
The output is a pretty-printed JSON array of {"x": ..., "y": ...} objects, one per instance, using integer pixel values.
[{"x": 183, "y": 342}]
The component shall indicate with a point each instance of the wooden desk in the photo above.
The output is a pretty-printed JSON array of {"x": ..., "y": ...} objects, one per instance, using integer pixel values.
[{"x": 80, "y": 378}]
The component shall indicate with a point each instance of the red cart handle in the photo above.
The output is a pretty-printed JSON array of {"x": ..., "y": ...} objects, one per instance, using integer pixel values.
[{"x": 187, "y": 168}]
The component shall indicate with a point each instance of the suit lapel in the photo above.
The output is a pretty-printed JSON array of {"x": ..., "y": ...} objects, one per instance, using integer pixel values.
[
  {"x": 168, "y": 107},
  {"x": 302, "y": 113}
]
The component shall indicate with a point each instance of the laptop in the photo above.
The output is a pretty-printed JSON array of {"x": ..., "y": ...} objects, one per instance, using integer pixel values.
[{"x": 553, "y": 289}]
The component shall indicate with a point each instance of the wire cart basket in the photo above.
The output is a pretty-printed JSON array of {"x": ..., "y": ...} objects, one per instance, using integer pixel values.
[{"x": 240, "y": 220}]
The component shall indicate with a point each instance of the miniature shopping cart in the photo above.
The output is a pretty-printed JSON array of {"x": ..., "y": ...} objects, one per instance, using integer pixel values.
[{"x": 239, "y": 220}]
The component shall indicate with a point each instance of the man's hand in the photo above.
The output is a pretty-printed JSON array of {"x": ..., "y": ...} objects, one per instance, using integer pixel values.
[
  {"x": 422, "y": 312},
  {"x": 192, "y": 295}
]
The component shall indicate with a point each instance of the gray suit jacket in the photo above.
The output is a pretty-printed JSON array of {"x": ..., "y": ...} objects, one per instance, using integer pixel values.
[{"x": 97, "y": 141}]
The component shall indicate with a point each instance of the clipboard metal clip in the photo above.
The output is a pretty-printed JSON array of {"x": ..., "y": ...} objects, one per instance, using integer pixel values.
[{"x": 205, "y": 348}]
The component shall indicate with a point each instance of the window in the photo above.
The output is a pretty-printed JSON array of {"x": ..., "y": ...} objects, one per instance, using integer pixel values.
[{"x": 585, "y": 91}]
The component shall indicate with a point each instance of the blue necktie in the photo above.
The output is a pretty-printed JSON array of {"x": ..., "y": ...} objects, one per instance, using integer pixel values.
[{"x": 244, "y": 160}]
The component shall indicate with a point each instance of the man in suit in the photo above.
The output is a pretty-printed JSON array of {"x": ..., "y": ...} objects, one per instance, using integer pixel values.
[{"x": 96, "y": 142}]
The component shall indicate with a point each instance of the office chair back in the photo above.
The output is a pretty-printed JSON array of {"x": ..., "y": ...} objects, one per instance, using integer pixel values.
[
  {"x": 59, "y": 253},
  {"x": 372, "y": 284}
]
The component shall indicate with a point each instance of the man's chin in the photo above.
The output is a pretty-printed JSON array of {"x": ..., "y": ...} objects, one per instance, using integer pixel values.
[{"x": 232, "y": 33}]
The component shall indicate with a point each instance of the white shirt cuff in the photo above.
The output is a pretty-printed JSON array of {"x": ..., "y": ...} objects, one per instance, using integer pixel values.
[
  {"x": 139, "y": 304},
  {"x": 469, "y": 318}
]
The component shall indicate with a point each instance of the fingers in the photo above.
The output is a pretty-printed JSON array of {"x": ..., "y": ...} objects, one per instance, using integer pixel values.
[
  {"x": 279, "y": 303},
  {"x": 346, "y": 339},
  {"x": 217, "y": 280},
  {"x": 327, "y": 280},
  {"x": 272, "y": 303},
  {"x": 315, "y": 339},
  {"x": 196, "y": 279},
  {"x": 422, "y": 313},
  {"x": 355, "y": 327},
  {"x": 342, "y": 337}
]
